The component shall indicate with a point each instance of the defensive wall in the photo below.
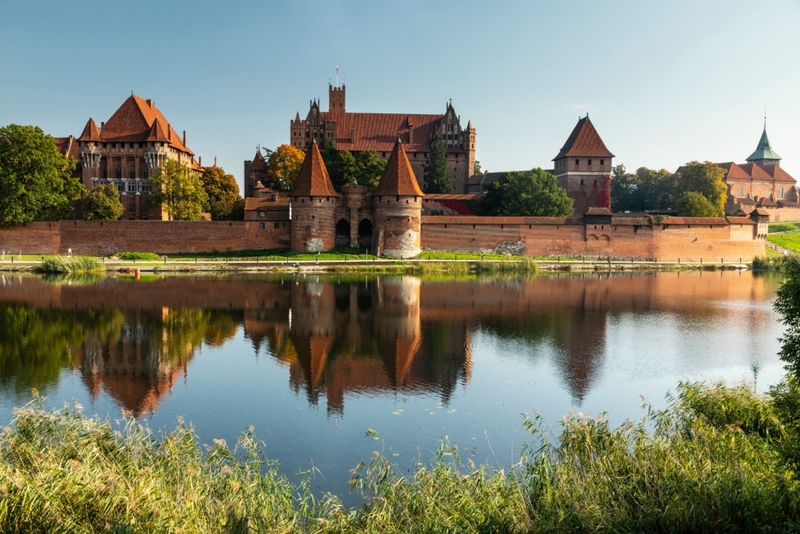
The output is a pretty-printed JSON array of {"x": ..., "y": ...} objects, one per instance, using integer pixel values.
[{"x": 664, "y": 239}]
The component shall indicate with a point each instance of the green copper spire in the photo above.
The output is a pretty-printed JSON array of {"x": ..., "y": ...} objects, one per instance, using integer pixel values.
[{"x": 764, "y": 153}]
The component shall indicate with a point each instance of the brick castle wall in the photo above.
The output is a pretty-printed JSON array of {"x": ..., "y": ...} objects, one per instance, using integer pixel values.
[{"x": 542, "y": 237}]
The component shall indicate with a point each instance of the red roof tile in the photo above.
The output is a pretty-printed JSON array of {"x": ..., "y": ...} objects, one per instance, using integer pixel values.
[
  {"x": 313, "y": 180},
  {"x": 379, "y": 131},
  {"x": 133, "y": 122},
  {"x": 67, "y": 146},
  {"x": 753, "y": 171},
  {"x": 399, "y": 178},
  {"x": 90, "y": 132},
  {"x": 584, "y": 141}
]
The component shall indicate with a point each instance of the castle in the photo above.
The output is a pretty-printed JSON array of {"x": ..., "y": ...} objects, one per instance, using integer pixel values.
[
  {"x": 377, "y": 132},
  {"x": 126, "y": 150}
]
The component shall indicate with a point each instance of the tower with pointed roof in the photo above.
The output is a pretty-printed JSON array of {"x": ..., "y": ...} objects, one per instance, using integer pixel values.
[
  {"x": 313, "y": 206},
  {"x": 583, "y": 168},
  {"x": 397, "y": 203},
  {"x": 127, "y": 149},
  {"x": 764, "y": 155}
]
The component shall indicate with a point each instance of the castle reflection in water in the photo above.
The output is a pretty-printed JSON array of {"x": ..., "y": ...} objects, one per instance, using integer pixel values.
[{"x": 134, "y": 340}]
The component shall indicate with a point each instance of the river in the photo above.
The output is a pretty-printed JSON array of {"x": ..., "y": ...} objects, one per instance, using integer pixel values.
[{"x": 329, "y": 369}]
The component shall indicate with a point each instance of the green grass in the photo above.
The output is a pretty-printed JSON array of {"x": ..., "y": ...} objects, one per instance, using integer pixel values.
[
  {"x": 142, "y": 256},
  {"x": 789, "y": 240},
  {"x": 431, "y": 255},
  {"x": 74, "y": 265},
  {"x": 716, "y": 459},
  {"x": 777, "y": 227}
]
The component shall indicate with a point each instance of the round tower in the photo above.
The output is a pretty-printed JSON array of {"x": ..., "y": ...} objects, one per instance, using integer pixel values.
[
  {"x": 313, "y": 203},
  {"x": 398, "y": 208}
]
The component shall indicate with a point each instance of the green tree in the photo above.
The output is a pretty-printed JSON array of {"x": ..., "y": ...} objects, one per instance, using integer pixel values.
[
  {"x": 283, "y": 166},
  {"x": 693, "y": 204},
  {"x": 344, "y": 167},
  {"x": 36, "y": 180},
  {"x": 222, "y": 191},
  {"x": 626, "y": 190},
  {"x": 787, "y": 304},
  {"x": 704, "y": 178},
  {"x": 437, "y": 177},
  {"x": 178, "y": 191},
  {"x": 102, "y": 204},
  {"x": 369, "y": 169},
  {"x": 533, "y": 193}
]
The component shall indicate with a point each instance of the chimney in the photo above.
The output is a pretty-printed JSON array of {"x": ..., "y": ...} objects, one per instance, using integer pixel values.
[
  {"x": 101, "y": 125},
  {"x": 352, "y": 135},
  {"x": 200, "y": 160},
  {"x": 184, "y": 138},
  {"x": 215, "y": 161},
  {"x": 169, "y": 134},
  {"x": 150, "y": 103}
]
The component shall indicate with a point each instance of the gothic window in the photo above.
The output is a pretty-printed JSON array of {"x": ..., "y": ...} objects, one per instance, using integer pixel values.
[
  {"x": 741, "y": 191},
  {"x": 131, "y": 172},
  {"x": 118, "y": 172},
  {"x": 120, "y": 186},
  {"x": 590, "y": 163},
  {"x": 576, "y": 162},
  {"x": 104, "y": 172},
  {"x": 602, "y": 162},
  {"x": 132, "y": 208},
  {"x": 131, "y": 187},
  {"x": 144, "y": 173},
  {"x": 781, "y": 192}
]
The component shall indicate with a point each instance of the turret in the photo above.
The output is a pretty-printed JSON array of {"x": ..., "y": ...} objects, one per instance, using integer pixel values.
[
  {"x": 764, "y": 155},
  {"x": 313, "y": 203},
  {"x": 398, "y": 208}
]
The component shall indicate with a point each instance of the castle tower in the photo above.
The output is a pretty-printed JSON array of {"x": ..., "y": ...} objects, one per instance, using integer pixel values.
[
  {"x": 583, "y": 168},
  {"x": 255, "y": 171},
  {"x": 764, "y": 155},
  {"x": 336, "y": 99},
  {"x": 313, "y": 203},
  {"x": 398, "y": 208}
]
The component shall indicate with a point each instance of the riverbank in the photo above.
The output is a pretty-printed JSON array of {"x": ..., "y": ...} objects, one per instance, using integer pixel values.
[
  {"x": 378, "y": 265},
  {"x": 716, "y": 459}
]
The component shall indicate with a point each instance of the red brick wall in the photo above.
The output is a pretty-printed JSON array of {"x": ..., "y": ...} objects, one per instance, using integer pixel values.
[
  {"x": 109, "y": 237},
  {"x": 689, "y": 243}
]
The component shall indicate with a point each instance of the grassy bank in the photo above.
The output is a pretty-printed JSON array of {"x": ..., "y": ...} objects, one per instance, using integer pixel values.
[
  {"x": 68, "y": 265},
  {"x": 716, "y": 459}
]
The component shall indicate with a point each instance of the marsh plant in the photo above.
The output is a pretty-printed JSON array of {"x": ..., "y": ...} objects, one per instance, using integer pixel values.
[{"x": 70, "y": 265}]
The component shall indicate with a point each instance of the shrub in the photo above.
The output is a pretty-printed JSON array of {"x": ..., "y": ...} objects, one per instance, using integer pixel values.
[{"x": 133, "y": 256}]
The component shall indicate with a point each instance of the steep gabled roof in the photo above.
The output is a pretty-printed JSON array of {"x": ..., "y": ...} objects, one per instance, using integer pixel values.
[
  {"x": 90, "y": 132},
  {"x": 67, "y": 146},
  {"x": 156, "y": 132},
  {"x": 584, "y": 141},
  {"x": 754, "y": 171},
  {"x": 763, "y": 151},
  {"x": 313, "y": 180},
  {"x": 133, "y": 121},
  {"x": 398, "y": 178},
  {"x": 379, "y": 131}
]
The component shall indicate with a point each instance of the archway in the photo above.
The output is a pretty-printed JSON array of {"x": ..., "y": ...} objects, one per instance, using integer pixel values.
[
  {"x": 342, "y": 233},
  {"x": 365, "y": 233}
]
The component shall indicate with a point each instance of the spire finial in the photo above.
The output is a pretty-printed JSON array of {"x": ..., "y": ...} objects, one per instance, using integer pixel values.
[{"x": 765, "y": 117}]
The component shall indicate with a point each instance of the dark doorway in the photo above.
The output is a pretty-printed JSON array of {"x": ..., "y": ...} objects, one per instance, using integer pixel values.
[
  {"x": 365, "y": 233},
  {"x": 342, "y": 233}
]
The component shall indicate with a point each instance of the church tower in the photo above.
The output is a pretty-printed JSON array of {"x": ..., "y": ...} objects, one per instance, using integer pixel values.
[
  {"x": 398, "y": 208},
  {"x": 313, "y": 203},
  {"x": 583, "y": 168},
  {"x": 764, "y": 155}
]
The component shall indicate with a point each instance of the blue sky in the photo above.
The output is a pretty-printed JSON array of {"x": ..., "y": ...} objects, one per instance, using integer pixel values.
[{"x": 664, "y": 82}]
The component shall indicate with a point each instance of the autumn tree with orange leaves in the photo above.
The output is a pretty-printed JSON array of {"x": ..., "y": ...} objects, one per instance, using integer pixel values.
[{"x": 283, "y": 166}]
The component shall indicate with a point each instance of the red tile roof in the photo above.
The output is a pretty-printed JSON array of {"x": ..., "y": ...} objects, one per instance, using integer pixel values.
[
  {"x": 399, "y": 178},
  {"x": 379, "y": 131},
  {"x": 133, "y": 122},
  {"x": 584, "y": 141},
  {"x": 67, "y": 146},
  {"x": 313, "y": 180},
  {"x": 90, "y": 132},
  {"x": 753, "y": 171}
]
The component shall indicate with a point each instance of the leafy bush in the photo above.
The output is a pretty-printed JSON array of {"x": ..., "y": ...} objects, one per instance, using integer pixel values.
[
  {"x": 76, "y": 265},
  {"x": 133, "y": 256}
]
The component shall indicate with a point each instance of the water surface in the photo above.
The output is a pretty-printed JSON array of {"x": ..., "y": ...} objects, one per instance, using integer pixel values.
[{"x": 328, "y": 370}]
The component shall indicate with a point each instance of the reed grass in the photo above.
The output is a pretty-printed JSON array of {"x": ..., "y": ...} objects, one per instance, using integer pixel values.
[
  {"x": 75, "y": 265},
  {"x": 714, "y": 460}
]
